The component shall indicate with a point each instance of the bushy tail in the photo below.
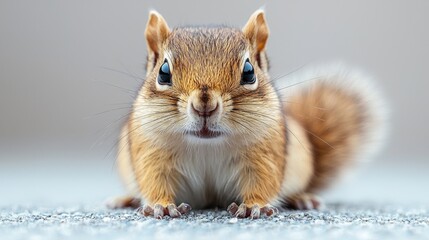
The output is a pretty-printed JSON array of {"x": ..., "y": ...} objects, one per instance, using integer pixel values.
[{"x": 342, "y": 114}]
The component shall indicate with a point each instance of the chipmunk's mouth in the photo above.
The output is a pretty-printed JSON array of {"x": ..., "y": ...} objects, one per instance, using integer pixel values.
[{"x": 205, "y": 132}]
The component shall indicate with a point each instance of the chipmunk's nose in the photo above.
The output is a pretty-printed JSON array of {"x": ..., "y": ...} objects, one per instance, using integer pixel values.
[
  {"x": 204, "y": 103},
  {"x": 204, "y": 110}
]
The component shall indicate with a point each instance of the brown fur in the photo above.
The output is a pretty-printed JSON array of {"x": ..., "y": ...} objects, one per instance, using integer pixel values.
[
  {"x": 263, "y": 169},
  {"x": 154, "y": 171},
  {"x": 335, "y": 122}
]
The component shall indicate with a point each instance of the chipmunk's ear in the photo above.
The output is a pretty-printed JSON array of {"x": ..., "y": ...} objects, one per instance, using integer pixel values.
[
  {"x": 256, "y": 30},
  {"x": 156, "y": 34}
]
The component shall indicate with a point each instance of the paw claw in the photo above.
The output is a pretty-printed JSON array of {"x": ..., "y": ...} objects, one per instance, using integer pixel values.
[
  {"x": 184, "y": 208},
  {"x": 251, "y": 211},
  {"x": 269, "y": 210},
  {"x": 232, "y": 208},
  {"x": 172, "y": 211},
  {"x": 158, "y": 211},
  {"x": 255, "y": 212},
  {"x": 146, "y": 210},
  {"x": 242, "y": 211}
]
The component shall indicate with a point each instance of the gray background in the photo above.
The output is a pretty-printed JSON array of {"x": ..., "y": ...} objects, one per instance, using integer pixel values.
[{"x": 60, "y": 103}]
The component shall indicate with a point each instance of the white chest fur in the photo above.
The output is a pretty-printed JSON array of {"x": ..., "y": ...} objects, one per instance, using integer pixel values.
[{"x": 209, "y": 176}]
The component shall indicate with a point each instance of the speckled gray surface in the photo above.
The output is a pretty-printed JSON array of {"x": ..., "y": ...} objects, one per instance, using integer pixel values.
[{"x": 336, "y": 221}]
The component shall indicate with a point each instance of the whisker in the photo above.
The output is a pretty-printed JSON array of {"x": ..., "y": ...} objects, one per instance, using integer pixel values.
[
  {"x": 302, "y": 145},
  {"x": 131, "y": 131},
  {"x": 256, "y": 113},
  {"x": 321, "y": 119},
  {"x": 105, "y": 129},
  {"x": 120, "y": 139},
  {"x": 153, "y": 114},
  {"x": 320, "y": 108},
  {"x": 298, "y": 83},
  {"x": 124, "y": 73},
  {"x": 249, "y": 114},
  {"x": 104, "y": 112},
  {"x": 247, "y": 94},
  {"x": 263, "y": 104},
  {"x": 137, "y": 77},
  {"x": 130, "y": 92},
  {"x": 319, "y": 138},
  {"x": 289, "y": 73},
  {"x": 119, "y": 104}
]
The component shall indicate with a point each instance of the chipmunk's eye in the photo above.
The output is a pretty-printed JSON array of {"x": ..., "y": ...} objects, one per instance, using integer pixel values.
[
  {"x": 164, "y": 75},
  {"x": 248, "y": 75}
]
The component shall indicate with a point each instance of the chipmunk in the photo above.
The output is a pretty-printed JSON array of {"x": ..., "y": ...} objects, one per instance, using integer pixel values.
[{"x": 210, "y": 129}]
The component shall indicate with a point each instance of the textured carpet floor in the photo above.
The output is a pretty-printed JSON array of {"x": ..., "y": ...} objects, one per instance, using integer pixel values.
[{"x": 336, "y": 221}]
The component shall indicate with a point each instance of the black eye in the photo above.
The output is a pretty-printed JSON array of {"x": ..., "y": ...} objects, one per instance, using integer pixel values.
[
  {"x": 164, "y": 75},
  {"x": 248, "y": 75}
]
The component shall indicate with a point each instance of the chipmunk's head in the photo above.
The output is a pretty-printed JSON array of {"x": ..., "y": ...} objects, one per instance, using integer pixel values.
[{"x": 207, "y": 83}]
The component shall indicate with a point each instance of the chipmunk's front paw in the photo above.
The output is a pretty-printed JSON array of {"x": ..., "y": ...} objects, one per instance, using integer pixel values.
[
  {"x": 251, "y": 211},
  {"x": 158, "y": 211}
]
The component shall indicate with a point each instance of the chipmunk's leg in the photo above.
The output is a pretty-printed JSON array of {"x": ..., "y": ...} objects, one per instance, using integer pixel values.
[
  {"x": 260, "y": 181},
  {"x": 157, "y": 180},
  {"x": 158, "y": 192},
  {"x": 256, "y": 194}
]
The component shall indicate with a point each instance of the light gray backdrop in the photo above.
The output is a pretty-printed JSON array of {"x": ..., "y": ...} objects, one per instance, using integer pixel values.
[{"x": 66, "y": 68}]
